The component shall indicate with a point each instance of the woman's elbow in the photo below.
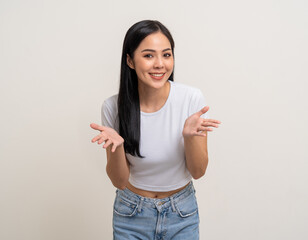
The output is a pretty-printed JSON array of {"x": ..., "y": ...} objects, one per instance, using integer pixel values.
[
  {"x": 120, "y": 185},
  {"x": 118, "y": 182},
  {"x": 198, "y": 174}
]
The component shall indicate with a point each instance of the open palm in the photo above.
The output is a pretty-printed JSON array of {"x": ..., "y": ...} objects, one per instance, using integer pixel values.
[
  {"x": 195, "y": 125},
  {"x": 107, "y": 135}
]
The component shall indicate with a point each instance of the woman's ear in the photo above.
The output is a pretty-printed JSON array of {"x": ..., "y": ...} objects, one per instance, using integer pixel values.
[{"x": 130, "y": 62}]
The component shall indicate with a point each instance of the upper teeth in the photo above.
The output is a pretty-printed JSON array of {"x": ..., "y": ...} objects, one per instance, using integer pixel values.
[{"x": 157, "y": 75}]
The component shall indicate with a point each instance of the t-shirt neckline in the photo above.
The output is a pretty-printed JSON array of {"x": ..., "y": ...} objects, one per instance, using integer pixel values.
[{"x": 164, "y": 106}]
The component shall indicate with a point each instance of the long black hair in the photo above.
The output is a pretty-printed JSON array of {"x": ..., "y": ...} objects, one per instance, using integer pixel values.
[{"x": 128, "y": 97}]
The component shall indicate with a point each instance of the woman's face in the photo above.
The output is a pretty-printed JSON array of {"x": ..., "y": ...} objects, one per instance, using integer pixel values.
[{"x": 153, "y": 61}]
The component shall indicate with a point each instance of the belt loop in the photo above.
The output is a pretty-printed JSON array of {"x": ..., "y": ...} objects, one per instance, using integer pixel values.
[
  {"x": 172, "y": 204},
  {"x": 140, "y": 205}
]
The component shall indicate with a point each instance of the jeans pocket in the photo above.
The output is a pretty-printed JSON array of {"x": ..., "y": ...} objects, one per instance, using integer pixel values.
[
  {"x": 124, "y": 207},
  {"x": 187, "y": 207}
]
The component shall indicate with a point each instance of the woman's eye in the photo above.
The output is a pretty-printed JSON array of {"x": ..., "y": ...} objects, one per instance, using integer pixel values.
[
  {"x": 148, "y": 56},
  {"x": 167, "y": 55}
]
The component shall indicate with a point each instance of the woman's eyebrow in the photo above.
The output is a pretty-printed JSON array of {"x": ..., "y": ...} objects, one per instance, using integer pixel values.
[{"x": 152, "y": 50}]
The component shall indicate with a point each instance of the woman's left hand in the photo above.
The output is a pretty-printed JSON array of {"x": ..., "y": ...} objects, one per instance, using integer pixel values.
[{"x": 195, "y": 125}]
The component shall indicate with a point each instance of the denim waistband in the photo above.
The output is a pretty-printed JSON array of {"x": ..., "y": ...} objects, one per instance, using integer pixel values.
[{"x": 157, "y": 202}]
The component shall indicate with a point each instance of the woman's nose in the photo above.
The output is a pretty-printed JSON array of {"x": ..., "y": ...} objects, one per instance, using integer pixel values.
[{"x": 158, "y": 63}]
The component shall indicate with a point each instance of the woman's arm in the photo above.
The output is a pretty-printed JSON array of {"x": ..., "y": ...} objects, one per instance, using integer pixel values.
[
  {"x": 195, "y": 142},
  {"x": 117, "y": 166},
  {"x": 196, "y": 155}
]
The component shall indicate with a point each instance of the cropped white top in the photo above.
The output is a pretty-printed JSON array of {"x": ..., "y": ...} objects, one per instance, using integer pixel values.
[{"x": 161, "y": 141}]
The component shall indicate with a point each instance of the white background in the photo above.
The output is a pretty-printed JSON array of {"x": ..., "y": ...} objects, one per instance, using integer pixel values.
[{"x": 60, "y": 59}]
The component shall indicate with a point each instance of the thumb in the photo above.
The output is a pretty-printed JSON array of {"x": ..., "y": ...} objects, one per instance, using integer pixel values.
[
  {"x": 96, "y": 126},
  {"x": 203, "y": 110}
]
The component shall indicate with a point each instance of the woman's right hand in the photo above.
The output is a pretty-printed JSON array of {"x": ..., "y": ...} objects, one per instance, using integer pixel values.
[{"x": 107, "y": 135}]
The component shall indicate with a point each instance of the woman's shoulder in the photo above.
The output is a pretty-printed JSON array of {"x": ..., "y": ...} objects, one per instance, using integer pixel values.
[
  {"x": 111, "y": 101},
  {"x": 185, "y": 89}
]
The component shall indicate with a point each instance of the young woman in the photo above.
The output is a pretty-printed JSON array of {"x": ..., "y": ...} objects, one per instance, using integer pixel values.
[{"x": 155, "y": 134}]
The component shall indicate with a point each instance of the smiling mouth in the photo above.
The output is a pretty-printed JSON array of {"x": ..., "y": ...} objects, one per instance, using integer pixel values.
[{"x": 157, "y": 74}]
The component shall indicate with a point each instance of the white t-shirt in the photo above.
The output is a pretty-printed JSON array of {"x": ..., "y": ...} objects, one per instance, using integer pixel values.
[{"x": 161, "y": 140}]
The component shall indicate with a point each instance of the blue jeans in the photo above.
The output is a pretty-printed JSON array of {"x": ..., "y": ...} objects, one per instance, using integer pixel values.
[{"x": 175, "y": 217}]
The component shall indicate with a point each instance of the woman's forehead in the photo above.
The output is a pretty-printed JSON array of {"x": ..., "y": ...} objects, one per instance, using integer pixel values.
[{"x": 155, "y": 41}]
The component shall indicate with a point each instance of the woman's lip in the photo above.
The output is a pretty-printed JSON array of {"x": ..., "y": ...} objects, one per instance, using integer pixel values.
[{"x": 156, "y": 77}]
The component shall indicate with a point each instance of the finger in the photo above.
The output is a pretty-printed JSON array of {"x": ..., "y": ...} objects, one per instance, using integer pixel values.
[
  {"x": 107, "y": 143},
  {"x": 209, "y": 124},
  {"x": 96, "y": 138},
  {"x": 201, "y": 134},
  {"x": 201, "y": 129},
  {"x": 114, "y": 147},
  {"x": 204, "y": 129},
  {"x": 97, "y": 127},
  {"x": 212, "y": 120},
  {"x": 101, "y": 140},
  {"x": 203, "y": 110}
]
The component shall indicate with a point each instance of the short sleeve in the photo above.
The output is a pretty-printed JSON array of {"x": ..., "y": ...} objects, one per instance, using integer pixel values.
[
  {"x": 197, "y": 103},
  {"x": 109, "y": 116}
]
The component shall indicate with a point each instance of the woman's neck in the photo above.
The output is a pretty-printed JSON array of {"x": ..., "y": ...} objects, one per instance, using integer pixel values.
[{"x": 151, "y": 100}]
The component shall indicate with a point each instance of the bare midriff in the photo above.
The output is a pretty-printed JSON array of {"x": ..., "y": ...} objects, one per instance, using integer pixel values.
[{"x": 150, "y": 194}]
